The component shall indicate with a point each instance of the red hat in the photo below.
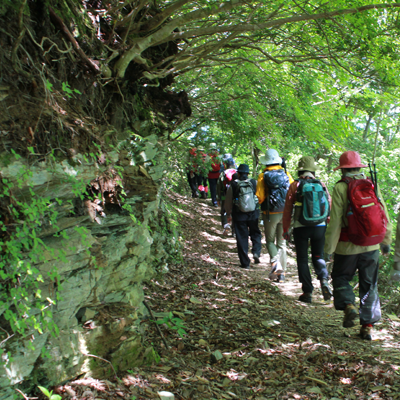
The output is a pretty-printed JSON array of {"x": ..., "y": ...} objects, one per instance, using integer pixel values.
[{"x": 350, "y": 159}]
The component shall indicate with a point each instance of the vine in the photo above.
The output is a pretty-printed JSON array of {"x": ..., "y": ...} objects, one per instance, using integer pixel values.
[{"x": 26, "y": 303}]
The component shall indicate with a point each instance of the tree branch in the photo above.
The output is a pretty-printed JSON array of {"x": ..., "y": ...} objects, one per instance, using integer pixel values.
[
  {"x": 132, "y": 15},
  {"x": 160, "y": 18},
  {"x": 134, "y": 53},
  {"x": 58, "y": 22},
  {"x": 271, "y": 24}
]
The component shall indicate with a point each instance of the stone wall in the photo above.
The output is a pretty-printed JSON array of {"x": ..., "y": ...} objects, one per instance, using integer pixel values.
[{"x": 101, "y": 306}]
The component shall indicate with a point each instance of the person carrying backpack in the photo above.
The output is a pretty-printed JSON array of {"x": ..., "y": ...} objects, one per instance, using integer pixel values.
[
  {"x": 225, "y": 179},
  {"x": 359, "y": 225},
  {"x": 309, "y": 198},
  {"x": 193, "y": 171},
  {"x": 213, "y": 174},
  {"x": 272, "y": 186},
  {"x": 241, "y": 206},
  {"x": 202, "y": 174}
]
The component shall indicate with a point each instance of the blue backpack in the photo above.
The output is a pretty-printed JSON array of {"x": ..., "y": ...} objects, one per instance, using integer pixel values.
[{"x": 315, "y": 205}]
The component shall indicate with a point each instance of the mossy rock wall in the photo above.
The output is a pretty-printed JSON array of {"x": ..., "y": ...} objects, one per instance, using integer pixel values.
[{"x": 101, "y": 303}]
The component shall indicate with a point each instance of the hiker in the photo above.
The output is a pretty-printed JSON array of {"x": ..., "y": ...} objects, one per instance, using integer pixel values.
[
  {"x": 241, "y": 206},
  {"x": 359, "y": 225},
  {"x": 272, "y": 186},
  {"x": 203, "y": 186},
  {"x": 192, "y": 174},
  {"x": 195, "y": 179},
  {"x": 202, "y": 174},
  {"x": 310, "y": 217},
  {"x": 224, "y": 181},
  {"x": 213, "y": 175}
]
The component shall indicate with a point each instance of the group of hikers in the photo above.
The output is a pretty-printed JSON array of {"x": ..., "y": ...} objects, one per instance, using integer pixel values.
[
  {"x": 204, "y": 169},
  {"x": 349, "y": 227}
]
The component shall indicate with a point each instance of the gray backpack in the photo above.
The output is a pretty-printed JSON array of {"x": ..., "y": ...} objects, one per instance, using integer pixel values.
[{"x": 246, "y": 200}]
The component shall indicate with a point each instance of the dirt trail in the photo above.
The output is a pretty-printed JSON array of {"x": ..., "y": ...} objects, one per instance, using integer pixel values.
[{"x": 249, "y": 338}]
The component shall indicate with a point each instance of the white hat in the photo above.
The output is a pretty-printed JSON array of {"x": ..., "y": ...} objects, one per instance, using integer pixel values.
[
  {"x": 270, "y": 157},
  {"x": 212, "y": 146}
]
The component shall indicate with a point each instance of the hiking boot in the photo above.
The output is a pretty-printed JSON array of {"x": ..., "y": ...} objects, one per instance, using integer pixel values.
[
  {"x": 325, "y": 289},
  {"x": 245, "y": 266},
  {"x": 305, "y": 297},
  {"x": 366, "y": 332},
  {"x": 350, "y": 314},
  {"x": 256, "y": 258},
  {"x": 281, "y": 278},
  {"x": 195, "y": 195},
  {"x": 279, "y": 270},
  {"x": 272, "y": 274}
]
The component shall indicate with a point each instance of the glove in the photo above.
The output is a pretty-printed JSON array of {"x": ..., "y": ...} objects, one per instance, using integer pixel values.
[
  {"x": 286, "y": 235},
  {"x": 385, "y": 249}
]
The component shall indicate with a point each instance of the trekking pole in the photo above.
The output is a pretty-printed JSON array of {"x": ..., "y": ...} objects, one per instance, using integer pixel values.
[
  {"x": 376, "y": 182},
  {"x": 371, "y": 173}
]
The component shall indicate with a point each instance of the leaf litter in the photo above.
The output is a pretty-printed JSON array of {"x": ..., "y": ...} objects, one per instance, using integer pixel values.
[{"x": 247, "y": 337}]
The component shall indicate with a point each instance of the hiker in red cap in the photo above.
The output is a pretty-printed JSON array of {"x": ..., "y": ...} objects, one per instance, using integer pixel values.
[{"x": 359, "y": 224}]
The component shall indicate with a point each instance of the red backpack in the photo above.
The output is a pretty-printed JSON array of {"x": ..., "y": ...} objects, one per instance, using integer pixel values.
[{"x": 365, "y": 214}]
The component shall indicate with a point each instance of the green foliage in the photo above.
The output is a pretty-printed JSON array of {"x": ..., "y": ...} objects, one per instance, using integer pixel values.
[
  {"x": 49, "y": 394},
  {"x": 49, "y": 86},
  {"x": 173, "y": 323},
  {"x": 9, "y": 5},
  {"x": 26, "y": 300},
  {"x": 67, "y": 89}
]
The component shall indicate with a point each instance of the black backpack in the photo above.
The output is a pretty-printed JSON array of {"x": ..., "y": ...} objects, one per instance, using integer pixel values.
[{"x": 278, "y": 184}]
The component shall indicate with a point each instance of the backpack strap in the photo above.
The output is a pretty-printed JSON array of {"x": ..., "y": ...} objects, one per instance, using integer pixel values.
[
  {"x": 344, "y": 236},
  {"x": 345, "y": 179}
]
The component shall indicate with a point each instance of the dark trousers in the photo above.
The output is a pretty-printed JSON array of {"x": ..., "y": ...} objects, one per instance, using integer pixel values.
[
  {"x": 224, "y": 219},
  {"x": 243, "y": 230},
  {"x": 193, "y": 182},
  {"x": 316, "y": 235},
  {"x": 344, "y": 269},
  {"x": 213, "y": 189}
]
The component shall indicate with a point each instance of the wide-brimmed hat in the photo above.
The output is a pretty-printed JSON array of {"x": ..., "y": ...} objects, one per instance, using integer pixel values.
[
  {"x": 270, "y": 157},
  {"x": 243, "y": 168},
  {"x": 350, "y": 159},
  {"x": 227, "y": 156},
  {"x": 212, "y": 146},
  {"x": 307, "y": 163}
]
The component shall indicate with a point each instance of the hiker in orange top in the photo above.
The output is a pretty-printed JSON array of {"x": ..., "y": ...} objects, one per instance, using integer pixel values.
[
  {"x": 213, "y": 157},
  {"x": 310, "y": 200},
  {"x": 272, "y": 186},
  {"x": 359, "y": 225}
]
